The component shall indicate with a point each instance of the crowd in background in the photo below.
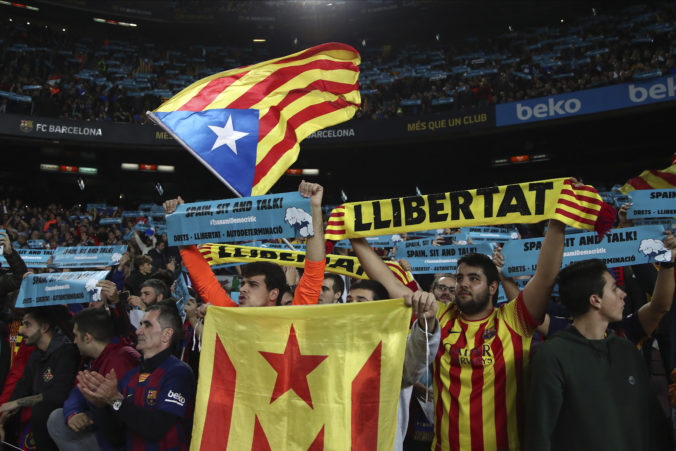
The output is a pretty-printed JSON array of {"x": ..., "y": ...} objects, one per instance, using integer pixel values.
[{"x": 49, "y": 72}]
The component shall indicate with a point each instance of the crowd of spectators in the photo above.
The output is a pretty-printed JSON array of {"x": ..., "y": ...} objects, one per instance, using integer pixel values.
[{"x": 49, "y": 72}]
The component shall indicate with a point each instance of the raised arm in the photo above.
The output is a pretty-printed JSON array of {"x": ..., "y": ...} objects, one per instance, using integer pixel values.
[
  {"x": 376, "y": 269},
  {"x": 310, "y": 285},
  {"x": 203, "y": 279},
  {"x": 652, "y": 312},
  {"x": 539, "y": 289},
  {"x": 315, "y": 249}
]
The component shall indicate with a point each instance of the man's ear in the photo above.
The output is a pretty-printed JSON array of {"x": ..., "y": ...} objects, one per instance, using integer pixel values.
[
  {"x": 272, "y": 296},
  {"x": 167, "y": 333},
  {"x": 595, "y": 301},
  {"x": 493, "y": 288}
]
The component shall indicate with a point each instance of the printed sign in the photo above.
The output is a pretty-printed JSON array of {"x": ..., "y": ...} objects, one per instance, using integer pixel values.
[
  {"x": 38, "y": 290},
  {"x": 88, "y": 256},
  {"x": 620, "y": 247},
  {"x": 260, "y": 217}
]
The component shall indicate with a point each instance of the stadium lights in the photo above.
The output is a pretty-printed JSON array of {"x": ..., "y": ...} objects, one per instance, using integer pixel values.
[
  {"x": 295, "y": 171},
  {"x": 115, "y": 22},
  {"x": 147, "y": 167},
  {"x": 49, "y": 167},
  {"x": 19, "y": 5},
  {"x": 258, "y": 40}
]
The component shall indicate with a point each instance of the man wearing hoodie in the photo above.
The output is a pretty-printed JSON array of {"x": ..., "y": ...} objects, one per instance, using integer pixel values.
[
  {"x": 73, "y": 427},
  {"x": 48, "y": 376},
  {"x": 589, "y": 388}
]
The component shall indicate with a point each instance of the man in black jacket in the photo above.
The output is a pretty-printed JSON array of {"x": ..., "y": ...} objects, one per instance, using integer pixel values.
[{"x": 48, "y": 377}]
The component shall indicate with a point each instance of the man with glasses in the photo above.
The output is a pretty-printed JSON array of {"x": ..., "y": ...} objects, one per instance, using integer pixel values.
[{"x": 443, "y": 288}]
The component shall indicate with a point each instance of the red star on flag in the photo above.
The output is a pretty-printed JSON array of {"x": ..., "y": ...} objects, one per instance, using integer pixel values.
[{"x": 292, "y": 369}]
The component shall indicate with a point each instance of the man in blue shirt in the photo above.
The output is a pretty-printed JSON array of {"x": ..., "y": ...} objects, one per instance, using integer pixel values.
[{"x": 151, "y": 406}]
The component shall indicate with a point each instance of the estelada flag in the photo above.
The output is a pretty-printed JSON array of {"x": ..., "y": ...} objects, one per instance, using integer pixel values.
[
  {"x": 653, "y": 179},
  {"x": 245, "y": 124},
  {"x": 320, "y": 377}
]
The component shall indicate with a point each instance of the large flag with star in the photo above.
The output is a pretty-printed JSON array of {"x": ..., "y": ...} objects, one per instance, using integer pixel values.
[
  {"x": 301, "y": 377},
  {"x": 245, "y": 124}
]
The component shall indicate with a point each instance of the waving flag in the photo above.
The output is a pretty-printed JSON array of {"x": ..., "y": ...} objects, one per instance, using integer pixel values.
[
  {"x": 300, "y": 377},
  {"x": 245, "y": 124},
  {"x": 653, "y": 179}
]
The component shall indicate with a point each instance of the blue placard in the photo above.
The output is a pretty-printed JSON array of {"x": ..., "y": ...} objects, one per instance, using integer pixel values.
[
  {"x": 33, "y": 258},
  {"x": 267, "y": 217},
  {"x": 133, "y": 214},
  {"x": 97, "y": 206},
  {"x": 38, "y": 290},
  {"x": 384, "y": 241},
  {"x": 107, "y": 221},
  {"x": 490, "y": 234},
  {"x": 181, "y": 295},
  {"x": 297, "y": 246},
  {"x": 432, "y": 259},
  {"x": 88, "y": 256},
  {"x": 652, "y": 203},
  {"x": 36, "y": 244},
  {"x": 620, "y": 247}
]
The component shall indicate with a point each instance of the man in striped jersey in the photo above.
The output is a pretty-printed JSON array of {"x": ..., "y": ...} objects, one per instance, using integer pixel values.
[{"x": 479, "y": 367}]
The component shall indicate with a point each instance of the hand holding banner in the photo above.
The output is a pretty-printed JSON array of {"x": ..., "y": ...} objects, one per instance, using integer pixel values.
[
  {"x": 620, "y": 247},
  {"x": 38, "y": 290},
  {"x": 652, "y": 203},
  {"x": 577, "y": 206},
  {"x": 261, "y": 217},
  {"x": 260, "y": 365}
]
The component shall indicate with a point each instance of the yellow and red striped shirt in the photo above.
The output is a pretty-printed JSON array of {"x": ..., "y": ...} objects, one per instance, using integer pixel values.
[{"x": 478, "y": 378}]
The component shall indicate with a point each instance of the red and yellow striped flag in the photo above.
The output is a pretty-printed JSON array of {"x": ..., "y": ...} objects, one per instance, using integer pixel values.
[
  {"x": 653, "y": 179},
  {"x": 301, "y": 377},
  {"x": 580, "y": 207},
  {"x": 245, "y": 124}
]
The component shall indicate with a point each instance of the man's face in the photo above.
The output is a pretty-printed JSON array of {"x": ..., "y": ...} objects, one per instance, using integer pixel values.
[
  {"x": 151, "y": 340},
  {"x": 472, "y": 292},
  {"x": 328, "y": 296},
  {"x": 360, "y": 295},
  {"x": 148, "y": 296},
  {"x": 612, "y": 301},
  {"x": 254, "y": 293},
  {"x": 80, "y": 341},
  {"x": 30, "y": 330},
  {"x": 444, "y": 290}
]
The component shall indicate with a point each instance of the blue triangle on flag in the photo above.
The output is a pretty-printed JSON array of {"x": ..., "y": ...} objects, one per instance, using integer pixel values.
[{"x": 225, "y": 140}]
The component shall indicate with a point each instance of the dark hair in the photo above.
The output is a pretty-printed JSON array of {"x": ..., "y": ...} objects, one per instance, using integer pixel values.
[
  {"x": 578, "y": 281},
  {"x": 338, "y": 283},
  {"x": 287, "y": 289},
  {"x": 96, "y": 322},
  {"x": 158, "y": 285},
  {"x": 55, "y": 316},
  {"x": 141, "y": 259},
  {"x": 274, "y": 275},
  {"x": 165, "y": 276},
  {"x": 168, "y": 317},
  {"x": 486, "y": 264},
  {"x": 377, "y": 288}
]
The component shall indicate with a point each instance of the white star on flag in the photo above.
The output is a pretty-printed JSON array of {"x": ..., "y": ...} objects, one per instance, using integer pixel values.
[{"x": 226, "y": 136}]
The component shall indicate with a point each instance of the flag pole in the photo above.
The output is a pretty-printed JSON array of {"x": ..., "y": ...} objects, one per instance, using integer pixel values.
[{"x": 212, "y": 170}]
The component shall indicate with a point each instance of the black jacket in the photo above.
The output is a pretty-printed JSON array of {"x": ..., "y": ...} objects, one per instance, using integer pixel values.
[{"x": 50, "y": 372}]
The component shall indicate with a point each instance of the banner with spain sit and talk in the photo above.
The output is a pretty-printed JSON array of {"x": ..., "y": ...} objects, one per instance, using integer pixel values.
[
  {"x": 273, "y": 378},
  {"x": 577, "y": 206}
]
